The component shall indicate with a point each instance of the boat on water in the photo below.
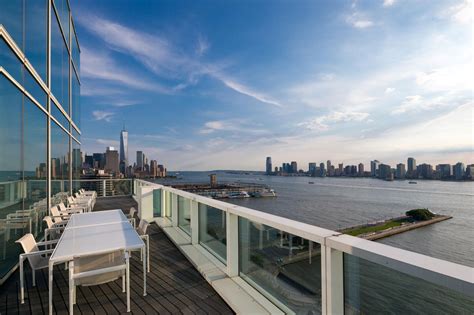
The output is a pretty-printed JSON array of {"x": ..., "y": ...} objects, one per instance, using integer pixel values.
[
  {"x": 266, "y": 193},
  {"x": 310, "y": 182},
  {"x": 412, "y": 182},
  {"x": 239, "y": 194}
]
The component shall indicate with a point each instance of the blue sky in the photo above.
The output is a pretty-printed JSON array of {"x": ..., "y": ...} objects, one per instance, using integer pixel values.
[{"x": 220, "y": 85}]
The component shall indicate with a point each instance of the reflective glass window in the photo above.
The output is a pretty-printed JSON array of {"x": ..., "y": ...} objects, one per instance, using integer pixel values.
[
  {"x": 75, "y": 51},
  {"x": 76, "y": 165},
  {"x": 59, "y": 162},
  {"x": 76, "y": 101},
  {"x": 157, "y": 203},
  {"x": 63, "y": 12},
  {"x": 34, "y": 89},
  {"x": 370, "y": 288},
  {"x": 59, "y": 65},
  {"x": 11, "y": 16},
  {"x": 10, "y": 62},
  {"x": 184, "y": 214},
  {"x": 212, "y": 230},
  {"x": 59, "y": 115},
  {"x": 284, "y": 267},
  {"x": 36, "y": 30}
]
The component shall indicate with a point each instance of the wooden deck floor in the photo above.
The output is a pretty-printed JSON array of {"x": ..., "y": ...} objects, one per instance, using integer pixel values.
[{"x": 174, "y": 286}]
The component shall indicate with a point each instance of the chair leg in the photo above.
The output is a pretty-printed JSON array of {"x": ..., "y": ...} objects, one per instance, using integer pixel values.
[
  {"x": 33, "y": 272},
  {"x": 71, "y": 290},
  {"x": 141, "y": 254},
  {"x": 128, "y": 282},
  {"x": 22, "y": 289},
  {"x": 148, "y": 252},
  {"x": 123, "y": 283}
]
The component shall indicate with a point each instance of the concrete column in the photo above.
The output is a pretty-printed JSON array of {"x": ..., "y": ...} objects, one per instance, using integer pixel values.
[
  {"x": 332, "y": 279},
  {"x": 194, "y": 222},
  {"x": 174, "y": 209},
  {"x": 232, "y": 234},
  {"x": 145, "y": 203}
]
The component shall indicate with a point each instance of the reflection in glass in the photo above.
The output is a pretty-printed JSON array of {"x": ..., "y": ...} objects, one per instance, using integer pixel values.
[
  {"x": 184, "y": 214},
  {"x": 76, "y": 100},
  {"x": 59, "y": 162},
  {"x": 212, "y": 230},
  {"x": 59, "y": 65},
  {"x": 11, "y": 12},
  {"x": 63, "y": 12},
  {"x": 157, "y": 203},
  {"x": 36, "y": 17},
  {"x": 75, "y": 51},
  {"x": 10, "y": 62},
  {"x": 76, "y": 165},
  {"x": 34, "y": 89},
  {"x": 370, "y": 288},
  {"x": 285, "y": 268},
  {"x": 59, "y": 115}
]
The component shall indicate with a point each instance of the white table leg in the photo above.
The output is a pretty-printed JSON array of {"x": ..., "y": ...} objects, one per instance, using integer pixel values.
[
  {"x": 50, "y": 278},
  {"x": 71, "y": 289},
  {"x": 144, "y": 272},
  {"x": 128, "y": 281},
  {"x": 148, "y": 252}
]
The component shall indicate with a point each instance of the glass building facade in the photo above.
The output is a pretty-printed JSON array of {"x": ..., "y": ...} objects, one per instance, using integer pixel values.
[{"x": 39, "y": 117}]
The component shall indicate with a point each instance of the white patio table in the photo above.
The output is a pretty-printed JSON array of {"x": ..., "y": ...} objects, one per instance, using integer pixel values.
[{"x": 95, "y": 233}]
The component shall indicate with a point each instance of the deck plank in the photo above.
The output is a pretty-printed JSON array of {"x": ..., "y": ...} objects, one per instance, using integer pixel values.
[{"x": 174, "y": 286}]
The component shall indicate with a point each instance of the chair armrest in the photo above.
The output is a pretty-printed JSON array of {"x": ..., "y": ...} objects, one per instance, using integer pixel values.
[
  {"x": 67, "y": 212},
  {"x": 47, "y": 243},
  {"x": 40, "y": 252},
  {"x": 64, "y": 217}
]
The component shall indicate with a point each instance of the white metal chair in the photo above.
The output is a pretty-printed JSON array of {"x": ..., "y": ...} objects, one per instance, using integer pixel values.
[
  {"x": 99, "y": 269},
  {"x": 38, "y": 259},
  {"x": 142, "y": 231},
  {"x": 131, "y": 213},
  {"x": 54, "y": 230},
  {"x": 70, "y": 210}
]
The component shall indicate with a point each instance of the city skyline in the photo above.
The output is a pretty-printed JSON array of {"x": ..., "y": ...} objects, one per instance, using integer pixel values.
[{"x": 307, "y": 87}]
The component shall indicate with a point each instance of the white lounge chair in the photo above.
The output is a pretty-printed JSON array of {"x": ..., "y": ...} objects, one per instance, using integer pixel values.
[
  {"x": 99, "y": 269},
  {"x": 38, "y": 259},
  {"x": 54, "y": 230},
  {"x": 142, "y": 231}
]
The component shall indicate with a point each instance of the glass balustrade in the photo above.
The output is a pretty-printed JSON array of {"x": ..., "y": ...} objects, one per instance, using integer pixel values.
[
  {"x": 212, "y": 230},
  {"x": 184, "y": 214}
]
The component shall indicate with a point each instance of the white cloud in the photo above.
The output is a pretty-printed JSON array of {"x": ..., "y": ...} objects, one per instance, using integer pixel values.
[
  {"x": 159, "y": 55},
  {"x": 462, "y": 12},
  {"x": 389, "y": 90},
  {"x": 107, "y": 142},
  {"x": 359, "y": 20},
  {"x": 388, "y": 3},
  {"x": 322, "y": 123},
  {"x": 416, "y": 103},
  {"x": 236, "y": 125},
  {"x": 102, "y": 115}
]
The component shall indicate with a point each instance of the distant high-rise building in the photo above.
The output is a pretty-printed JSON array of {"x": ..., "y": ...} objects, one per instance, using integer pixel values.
[
  {"x": 340, "y": 169},
  {"x": 411, "y": 167},
  {"x": 361, "y": 169},
  {"x": 401, "y": 172},
  {"x": 98, "y": 160},
  {"x": 385, "y": 171},
  {"x": 140, "y": 160},
  {"x": 425, "y": 171},
  {"x": 123, "y": 150},
  {"x": 328, "y": 166},
  {"x": 294, "y": 167},
  {"x": 268, "y": 165},
  {"x": 312, "y": 168},
  {"x": 89, "y": 161},
  {"x": 213, "y": 180},
  {"x": 322, "y": 171},
  {"x": 444, "y": 171},
  {"x": 459, "y": 171},
  {"x": 153, "y": 168},
  {"x": 470, "y": 171},
  {"x": 373, "y": 168},
  {"x": 112, "y": 160}
]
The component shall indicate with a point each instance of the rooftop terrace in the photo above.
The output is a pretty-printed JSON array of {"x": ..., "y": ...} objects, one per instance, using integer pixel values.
[{"x": 174, "y": 285}]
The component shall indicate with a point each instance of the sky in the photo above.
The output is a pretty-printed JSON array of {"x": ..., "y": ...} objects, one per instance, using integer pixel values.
[{"x": 204, "y": 85}]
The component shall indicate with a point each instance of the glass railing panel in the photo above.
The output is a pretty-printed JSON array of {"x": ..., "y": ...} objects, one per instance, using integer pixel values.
[
  {"x": 157, "y": 203},
  {"x": 118, "y": 187},
  {"x": 212, "y": 230},
  {"x": 370, "y": 288},
  {"x": 184, "y": 214},
  {"x": 283, "y": 267}
]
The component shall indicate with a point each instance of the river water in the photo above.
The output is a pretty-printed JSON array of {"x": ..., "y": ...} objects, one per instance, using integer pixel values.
[{"x": 339, "y": 202}]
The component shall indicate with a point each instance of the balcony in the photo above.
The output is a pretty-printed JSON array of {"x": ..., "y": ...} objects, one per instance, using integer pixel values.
[{"x": 248, "y": 261}]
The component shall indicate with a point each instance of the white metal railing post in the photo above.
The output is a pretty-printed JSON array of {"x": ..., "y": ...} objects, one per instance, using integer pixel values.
[
  {"x": 163, "y": 203},
  {"x": 104, "y": 193},
  {"x": 174, "y": 210},
  {"x": 194, "y": 222},
  {"x": 232, "y": 236},
  {"x": 332, "y": 281}
]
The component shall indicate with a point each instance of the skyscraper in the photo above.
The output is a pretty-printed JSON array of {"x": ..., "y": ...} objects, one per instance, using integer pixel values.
[
  {"x": 361, "y": 169},
  {"x": 111, "y": 160},
  {"x": 268, "y": 165},
  {"x": 140, "y": 160},
  {"x": 400, "y": 174},
  {"x": 312, "y": 168},
  {"x": 459, "y": 171},
  {"x": 411, "y": 167},
  {"x": 322, "y": 171},
  {"x": 39, "y": 102},
  {"x": 294, "y": 167},
  {"x": 385, "y": 171},
  {"x": 123, "y": 150},
  {"x": 373, "y": 168}
]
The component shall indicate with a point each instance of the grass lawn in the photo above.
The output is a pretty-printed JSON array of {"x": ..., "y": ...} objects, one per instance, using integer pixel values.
[{"x": 374, "y": 228}]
